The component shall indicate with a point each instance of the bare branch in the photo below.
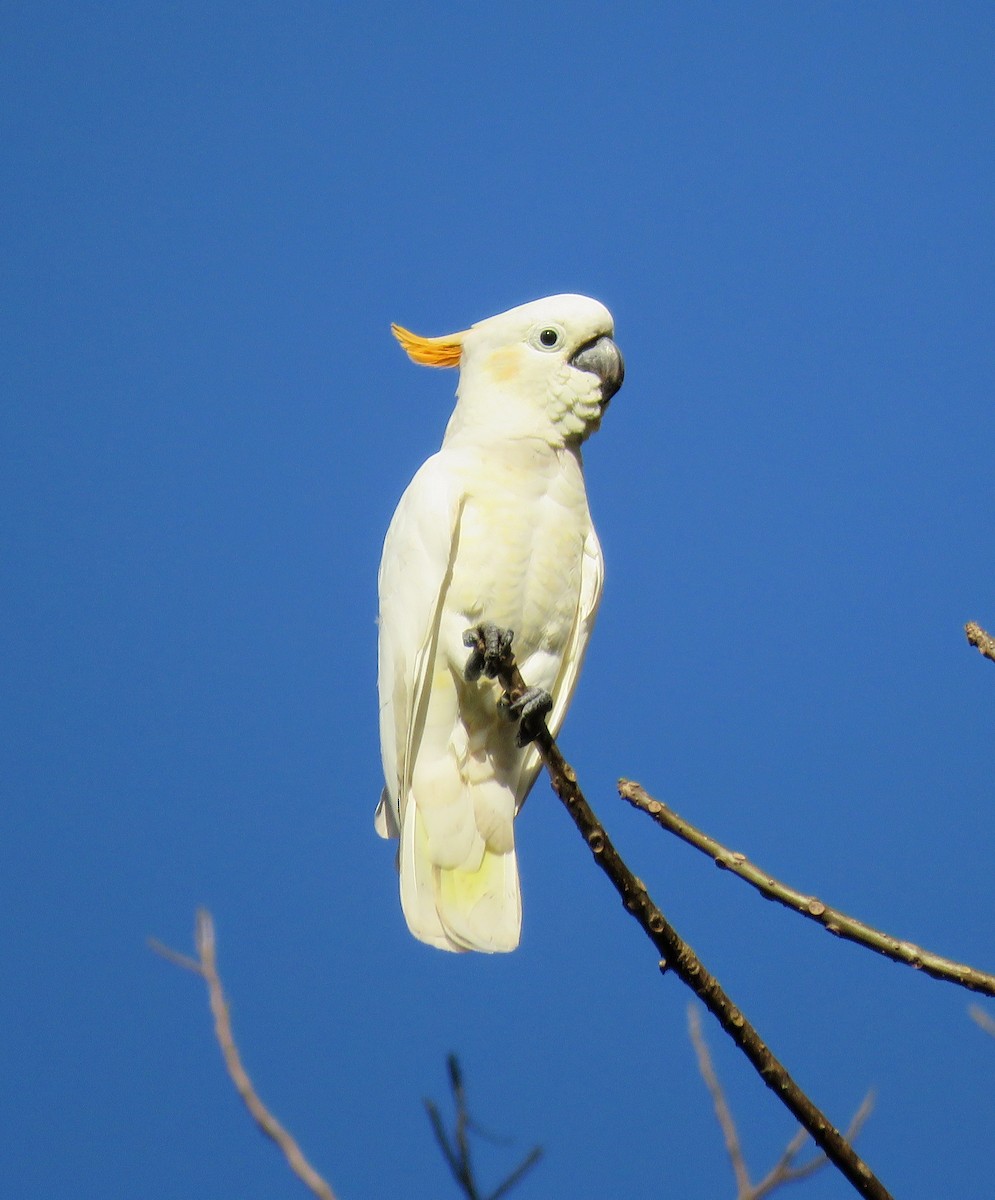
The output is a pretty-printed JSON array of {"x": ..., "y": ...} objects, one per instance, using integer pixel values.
[
  {"x": 677, "y": 955},
  {"x": 523, "y": 1168},
  {"x": 174, "y": 956},
  {"x": 784, "y": 1171},
  {"x": 456, "y": 1152},
  {"x": 809, "y": 906},
  {"x": 980, "y": 1017},
  {"x": 206, "y": 966},
  {"x": 977, "y": 637},
  {"x": 728, "y": 1126},
  {"x": 439, "y": 1130}
]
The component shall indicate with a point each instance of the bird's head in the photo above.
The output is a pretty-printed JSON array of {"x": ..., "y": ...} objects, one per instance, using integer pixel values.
[{"x": 545, "y": 369}]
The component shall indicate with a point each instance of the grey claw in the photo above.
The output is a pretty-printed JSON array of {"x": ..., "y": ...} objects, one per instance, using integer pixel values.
[
  {"x": 475, "y": 662},
  {"x": 489, "y": 649},
  {"x": 532, "y": 707}
]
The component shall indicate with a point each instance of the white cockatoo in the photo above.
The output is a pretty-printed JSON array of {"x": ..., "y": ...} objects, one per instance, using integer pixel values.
[{"x": 493, "y": 532}]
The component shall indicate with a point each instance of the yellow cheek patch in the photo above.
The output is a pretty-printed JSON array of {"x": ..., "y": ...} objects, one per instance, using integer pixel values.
[
  {"x": 504, "y": 364},
  {"x": 431, "y": 352}
]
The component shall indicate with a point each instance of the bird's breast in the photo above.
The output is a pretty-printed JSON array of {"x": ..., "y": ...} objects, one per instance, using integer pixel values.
[{"x": 521, "y": 545}]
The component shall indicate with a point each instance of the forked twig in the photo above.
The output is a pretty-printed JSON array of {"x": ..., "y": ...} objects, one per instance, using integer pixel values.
[
  {"x": 205, "y": 965},
  {"x": 784, "y": 1170},
  {"x": 809, "y": 906},
  {"x": 678, "y": 956},
  {"x": 456, "y": 1152}
]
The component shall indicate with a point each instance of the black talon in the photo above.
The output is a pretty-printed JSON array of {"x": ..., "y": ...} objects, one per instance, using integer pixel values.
[
  {"x": 532, "y": 707},
  {"x": 489, "y": 650}
]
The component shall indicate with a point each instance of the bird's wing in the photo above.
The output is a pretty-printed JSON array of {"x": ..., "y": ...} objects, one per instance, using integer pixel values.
[
  {"x": 415, "y": 570},
  {"x": 591, "y": 583}
]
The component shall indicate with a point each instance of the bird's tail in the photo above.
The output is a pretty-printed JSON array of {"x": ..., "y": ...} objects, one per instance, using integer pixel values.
[{"x": 476, "y": 905}]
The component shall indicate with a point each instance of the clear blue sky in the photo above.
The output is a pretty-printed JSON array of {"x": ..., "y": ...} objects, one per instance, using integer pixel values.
[{"x": 210, "y": 215}]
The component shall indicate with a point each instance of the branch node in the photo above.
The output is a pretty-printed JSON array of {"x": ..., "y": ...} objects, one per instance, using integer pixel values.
[{"x": 979, "y": 638}]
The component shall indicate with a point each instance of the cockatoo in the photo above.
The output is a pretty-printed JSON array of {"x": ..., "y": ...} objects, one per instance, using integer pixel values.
[{"x": 493, "y": 533}]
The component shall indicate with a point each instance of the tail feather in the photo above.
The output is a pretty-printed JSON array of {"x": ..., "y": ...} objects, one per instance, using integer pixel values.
[
  {"x": 459, "y": 875},
  {"x": 482, "y": 909},
  {"x": 475, "y": 905},
  {"x": 418, "y": 884}
]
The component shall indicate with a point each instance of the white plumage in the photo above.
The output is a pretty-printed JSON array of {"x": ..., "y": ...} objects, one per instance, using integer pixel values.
[{"x": 494, "y": 528}]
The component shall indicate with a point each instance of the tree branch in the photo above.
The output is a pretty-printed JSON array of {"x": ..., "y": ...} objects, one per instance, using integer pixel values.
[
  {"x": 977, "y": 637},
  {"x": 809, "y": 906},
  {"x": 678, "y": 956},
  {"x": 205, "y": 965}
]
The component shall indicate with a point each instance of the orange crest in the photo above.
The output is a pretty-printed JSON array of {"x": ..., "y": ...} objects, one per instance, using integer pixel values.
[{"x": 431, "y": 352}]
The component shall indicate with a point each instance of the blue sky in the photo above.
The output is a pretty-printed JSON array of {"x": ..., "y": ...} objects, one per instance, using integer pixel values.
[{"x": 210, "y": 215}]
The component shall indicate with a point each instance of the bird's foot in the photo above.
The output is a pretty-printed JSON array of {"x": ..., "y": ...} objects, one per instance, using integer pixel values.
[
  {"x": 530, "y": 710},
  {"x": 490, "y": 654},
  {"x": 490, "y": 649}
]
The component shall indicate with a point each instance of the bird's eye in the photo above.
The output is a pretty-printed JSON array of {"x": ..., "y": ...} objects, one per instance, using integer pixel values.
[{"x": 547, "y": 337}]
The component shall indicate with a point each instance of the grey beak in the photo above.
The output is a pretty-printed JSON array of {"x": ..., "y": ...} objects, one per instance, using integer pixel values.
[{"x": 604, "y": 359}]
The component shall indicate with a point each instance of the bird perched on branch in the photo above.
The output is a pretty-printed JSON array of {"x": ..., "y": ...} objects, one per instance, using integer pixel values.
[{"x": 492, "y": 541}]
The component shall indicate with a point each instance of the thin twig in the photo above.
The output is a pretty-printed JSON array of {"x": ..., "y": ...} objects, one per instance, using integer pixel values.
[
  {"x": 809, "y": 906},
  {"x": 677, "y": 955},
  {"x": 784, "y": 1171},
  {"x": 206, "y": 966},
  {"x": 456, "y": 1152},
  {"x": 730, "y": 1134},
  {"x": 523, "y": 1168},
  {"x": 439, "y": 1130},
  {"x": 978, "y": 637},
  {"x": 980, "y": 1017}
]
